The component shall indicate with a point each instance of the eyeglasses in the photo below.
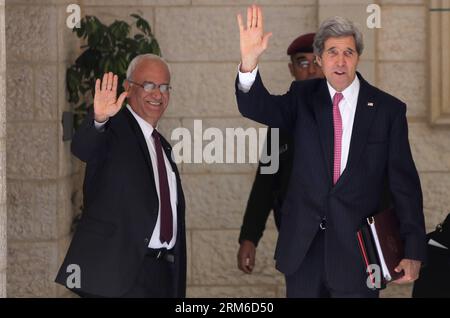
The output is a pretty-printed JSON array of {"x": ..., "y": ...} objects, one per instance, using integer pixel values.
[
  {"x": 306, "y": 63},
  {"x": 149, "y": 86}
]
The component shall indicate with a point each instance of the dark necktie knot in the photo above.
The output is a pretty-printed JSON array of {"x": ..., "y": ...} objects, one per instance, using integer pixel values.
[{"x": 155, "y": 134}]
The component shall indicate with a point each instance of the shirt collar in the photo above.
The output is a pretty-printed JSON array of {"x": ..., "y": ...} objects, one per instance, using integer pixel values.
[
  {"x": 350, "y": 93},
  {"x": 146, "y": 128}
]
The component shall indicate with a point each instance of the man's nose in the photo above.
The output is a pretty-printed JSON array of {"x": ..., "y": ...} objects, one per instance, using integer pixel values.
[
  {"x": 156, "y": 93},
  {"x": 341, "y": 60}
]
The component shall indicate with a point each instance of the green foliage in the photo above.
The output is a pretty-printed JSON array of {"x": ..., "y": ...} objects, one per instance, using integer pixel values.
[{"x": 108, "y": 49}]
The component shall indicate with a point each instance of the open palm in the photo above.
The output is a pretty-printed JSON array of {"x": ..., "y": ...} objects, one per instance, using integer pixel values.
[
  {"x": 253, "y": 41},
  {"x": 106, "y": 103}
]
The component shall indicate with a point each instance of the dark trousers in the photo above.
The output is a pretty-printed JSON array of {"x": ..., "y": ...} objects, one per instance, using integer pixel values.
[
  {"x": 155, "y": 280},
  {"x": 309, "y": 281}
]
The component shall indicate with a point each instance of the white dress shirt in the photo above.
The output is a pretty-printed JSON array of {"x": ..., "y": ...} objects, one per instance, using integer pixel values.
[
  {"x": 147, "y": 130},
  {"x": 347, "y": 107}
]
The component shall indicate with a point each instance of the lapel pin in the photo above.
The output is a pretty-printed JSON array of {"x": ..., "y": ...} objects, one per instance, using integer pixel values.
[{"x": 370, "y": 104}]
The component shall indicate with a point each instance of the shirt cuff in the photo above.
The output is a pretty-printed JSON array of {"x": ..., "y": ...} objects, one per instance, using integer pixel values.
[
  {"x": 246, "y": 80},
  {"x": 100, "y": 126}
]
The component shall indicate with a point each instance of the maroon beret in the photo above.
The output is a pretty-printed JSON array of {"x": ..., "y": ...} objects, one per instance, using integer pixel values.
[{"x": 304, "y": 44}]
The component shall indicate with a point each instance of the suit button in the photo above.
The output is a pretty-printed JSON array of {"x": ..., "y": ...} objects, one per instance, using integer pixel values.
[{"x": 146, "y": 240}]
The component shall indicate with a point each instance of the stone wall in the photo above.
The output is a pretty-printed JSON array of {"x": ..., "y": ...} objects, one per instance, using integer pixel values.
[
  {"x": 199, "y": 38},
  {"x": 39, "y": 169},
  {"x": 3, "y": 250}
]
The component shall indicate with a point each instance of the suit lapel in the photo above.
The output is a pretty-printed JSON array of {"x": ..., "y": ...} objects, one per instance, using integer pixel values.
[
  {"x": 323, "y": 112},
  {"x": 364, "y": 115}
]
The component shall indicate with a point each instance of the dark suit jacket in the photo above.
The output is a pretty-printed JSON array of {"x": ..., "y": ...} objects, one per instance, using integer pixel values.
[
  {"x": 379, "y": 150},
  {"x": 120, "y": 208},
  {"x": 268, "y": 191}
]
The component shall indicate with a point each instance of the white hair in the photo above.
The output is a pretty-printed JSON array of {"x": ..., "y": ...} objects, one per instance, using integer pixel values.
[
  {"x": 143, "y": 57},
  {"x": 336, "y": 27}
]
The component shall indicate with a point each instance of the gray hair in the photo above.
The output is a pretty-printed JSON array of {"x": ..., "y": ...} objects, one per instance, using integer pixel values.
[
  {"x": 143, "y": 57},
  {"x": 336, "y": 27}
]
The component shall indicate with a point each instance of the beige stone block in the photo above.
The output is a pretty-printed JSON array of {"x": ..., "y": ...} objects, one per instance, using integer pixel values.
[
  {"x": 355, "y": 12},
  {"x": 276, "y": 76},
  {"x": 46, "y": 92},
  {"x": 403, "y": 33},
  {"x": 367, "y": 70},
  {"x": 32, "y": 269},
  {"x": 281, "y": 290},
  {"x": 3, "y": 105},
  {"x": 32, "y": 151},
  {"x": 2, "y": 170},
  {"x": 207, "y": 89},
  {"x": 32, "y": 210},
  {"x": 19, "y": 96},
  {"x": 229, "y": 145},
  {"x": 430, "y": 147},
  {"x": 203, "y": 89},
  {"x": 31, "y": 33},
  {"x": 397, "y": 291},
  {"x": 2, "y": 39},
  {"x": 214, "y": 260},
  {"x": 232, "y": 292},
  {"x": 216, "y": 201},
  {"x": 195, "y": 38},
  {"x": 3, "y": 284},
  {"x": 64, "y": 210},
  {"x": 2, "y": 127},
  {"x": 63, "y": 246},
  {"x": 436, "y": 199},
  {"x": 3, "y": 102},
  {"x": 3, "y": 237},
  {"x": 406, "y": 81}
]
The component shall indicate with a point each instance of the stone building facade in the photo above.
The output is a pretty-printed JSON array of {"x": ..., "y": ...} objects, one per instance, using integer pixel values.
[{"x": 40, "y": 182}]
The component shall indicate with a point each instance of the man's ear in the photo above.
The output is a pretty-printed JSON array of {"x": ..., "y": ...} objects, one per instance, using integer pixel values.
[
  {"x": 319, "y": 60},
  {"x": 126, "y": 85}
]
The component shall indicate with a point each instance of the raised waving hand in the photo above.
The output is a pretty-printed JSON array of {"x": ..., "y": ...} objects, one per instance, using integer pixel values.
[
  {"x": 106, "y": 103},
  {"x": 253, "y": 41}
]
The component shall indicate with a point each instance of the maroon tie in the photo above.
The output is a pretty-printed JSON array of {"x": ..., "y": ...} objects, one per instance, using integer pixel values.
[
  {"x": 337, "y": 123},
  {"x": 165, "y": 234}
]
